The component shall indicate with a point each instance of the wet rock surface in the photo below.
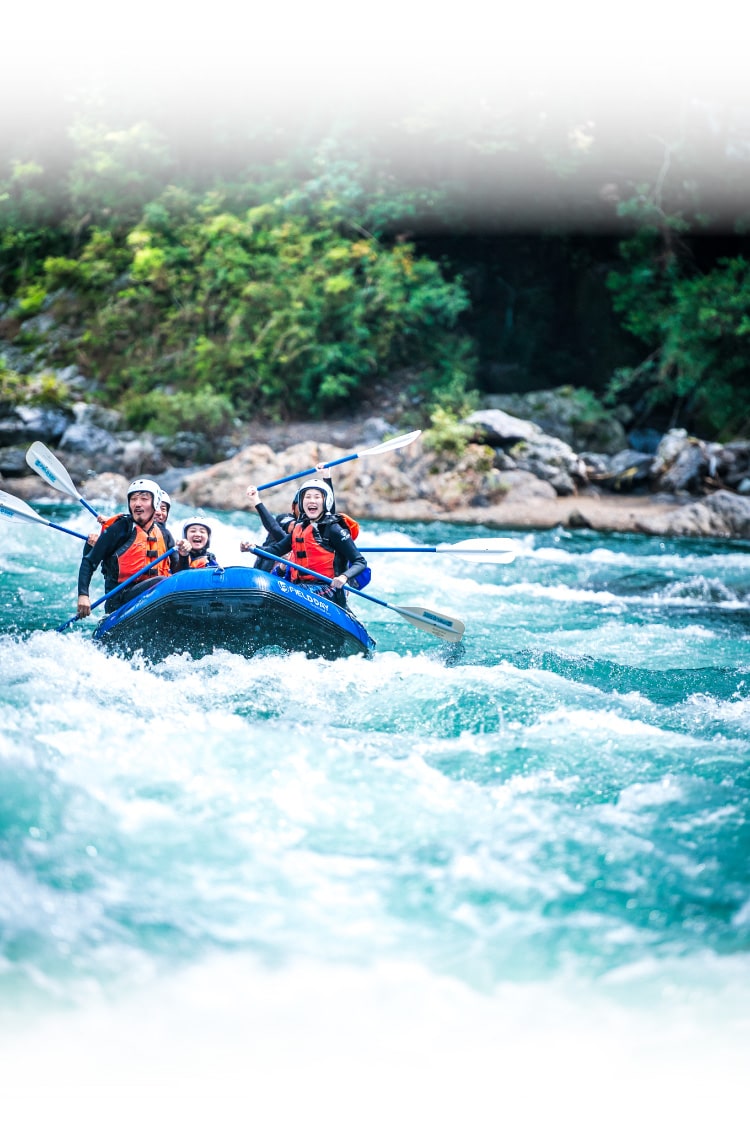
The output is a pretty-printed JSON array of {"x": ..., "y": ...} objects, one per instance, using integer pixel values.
[{"x": 511, "y": 474}]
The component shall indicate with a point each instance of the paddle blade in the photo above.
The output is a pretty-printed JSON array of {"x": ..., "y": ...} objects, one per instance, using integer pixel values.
[
  {"x": 434, "y": 623},
  {"x": 488, "y": 550},
  {"x": 49, "y": 467},
  {"x": 13, "y": 508},
  {"x": 394, "y": 444}
]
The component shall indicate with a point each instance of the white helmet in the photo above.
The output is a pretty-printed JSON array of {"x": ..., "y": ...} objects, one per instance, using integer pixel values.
[
  {"x": 317, "y": 484},
  {"x": 197, "y": 521},
  {"x": 149, "y": 486},
  {"x": 166, "y": 498}
]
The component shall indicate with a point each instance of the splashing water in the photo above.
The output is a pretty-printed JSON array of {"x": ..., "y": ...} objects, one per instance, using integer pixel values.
[{"x": 516, "y": 880}]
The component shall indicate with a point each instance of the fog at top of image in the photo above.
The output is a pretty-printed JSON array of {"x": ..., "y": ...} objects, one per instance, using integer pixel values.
[{"x": 535, "y": 109}]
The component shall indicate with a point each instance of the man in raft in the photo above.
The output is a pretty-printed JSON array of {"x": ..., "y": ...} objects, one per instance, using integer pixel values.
[
  {"x": 126, "y": 546},
  {"x": 320, "y": 540}
]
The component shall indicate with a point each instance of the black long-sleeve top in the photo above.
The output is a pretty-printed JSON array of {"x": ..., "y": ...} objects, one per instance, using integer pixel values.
[
  {"x": 115, "y": 537},
  {"x": 336, "y": 538}
]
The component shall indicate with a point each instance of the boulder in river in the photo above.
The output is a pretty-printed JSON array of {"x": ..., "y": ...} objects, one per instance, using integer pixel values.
[{"x": 722, "y": 514}]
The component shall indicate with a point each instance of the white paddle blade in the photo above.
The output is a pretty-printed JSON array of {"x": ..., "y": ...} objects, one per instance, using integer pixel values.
[
  {"x": 13, "y": 508},
  {"x": 434, "y": 623},
  {"x": 391, "y": 444},
  {"x": 488, "y": 550},
  {"x": 48, "y": 467}
]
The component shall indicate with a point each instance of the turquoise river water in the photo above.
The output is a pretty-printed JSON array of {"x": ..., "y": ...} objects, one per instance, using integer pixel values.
[{"x": 511, "y": 889}]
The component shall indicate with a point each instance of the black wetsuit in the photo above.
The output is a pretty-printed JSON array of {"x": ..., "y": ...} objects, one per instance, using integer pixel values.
[
  {"x": 117, "y": 537},
  {"x": 276, "y": 530},
  {"x": 334, "y": 536}
]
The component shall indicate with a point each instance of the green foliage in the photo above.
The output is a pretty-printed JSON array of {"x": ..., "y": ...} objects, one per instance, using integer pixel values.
[
  {"x": 115, "y": 171},
  {"x": 283, "y": 274},
  {"x": 100, "y": 262},
  {"x": 44, "y": 389},
  {"x": 166, "y": 413},
  {"x": 447, "y": 435},
  {"x": 275, "y": 309},
  {"x": 696, "y": 327},
  {"x": 31, "y": 299}
]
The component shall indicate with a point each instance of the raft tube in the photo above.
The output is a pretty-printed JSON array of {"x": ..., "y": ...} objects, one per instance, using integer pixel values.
[{"x": 238, "y": 609}]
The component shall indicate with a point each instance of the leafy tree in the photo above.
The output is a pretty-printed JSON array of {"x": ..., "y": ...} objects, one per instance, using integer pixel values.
[
  {"x": 694, "y": 324},
  {"x": 278, "y": 308}
]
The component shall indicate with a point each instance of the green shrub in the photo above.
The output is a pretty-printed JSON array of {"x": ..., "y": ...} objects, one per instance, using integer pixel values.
[
  {"x": 447, "y": 435},
  {"x": 44, "y": 389},
  {"x": 204, "y": 412}
]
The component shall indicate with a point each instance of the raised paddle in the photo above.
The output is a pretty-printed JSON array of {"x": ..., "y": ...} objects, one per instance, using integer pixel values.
[
  {"x": 13, "y": 508},
  {"x": 434, "y": 623},
  {"x": 49, "y": 467},
  {"x": 485, "y": 550},
  {"x": 119, "y": 588},
  {"x": 394, "y": 444}
]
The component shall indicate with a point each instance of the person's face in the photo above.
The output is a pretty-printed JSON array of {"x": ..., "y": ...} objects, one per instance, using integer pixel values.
[
  {"x": 141, "y": 505},
  {"x": 196, "y": 536},
  {"x": 313, "y": 504},
  {"x": 163, "y": 512}
]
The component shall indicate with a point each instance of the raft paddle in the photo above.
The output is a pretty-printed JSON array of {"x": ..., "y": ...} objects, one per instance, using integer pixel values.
[
  {"x": 49, "y": 467},
  {"x": 118, "y": 588},
  {"x": 394, "y": 444},
  {"x": 486, "y": 550},
  {"x": 434, "y": 623},
  {"x": 11, "y": 507}
]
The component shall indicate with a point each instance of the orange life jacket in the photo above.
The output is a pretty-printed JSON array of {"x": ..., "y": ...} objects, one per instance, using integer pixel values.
[
  {"x": 146, "y": 546},
  {"x": 350, "y": 524},
  {"x": 307, "y": 551},
  {"x": 199, "y": 562}
]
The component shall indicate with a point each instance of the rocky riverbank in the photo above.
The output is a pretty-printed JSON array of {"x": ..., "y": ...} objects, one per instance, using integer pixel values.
[{"x": 494, "y": 469}]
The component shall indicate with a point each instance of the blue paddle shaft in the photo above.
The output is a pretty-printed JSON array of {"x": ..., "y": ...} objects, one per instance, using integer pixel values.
[
  {"x": 319, "y": 575},
  {"x": 302, "y": 473},
  {"x": 88, "y": 507},
  {"x": 124, "y": 584},
  {"x": 64, "y": 529}
]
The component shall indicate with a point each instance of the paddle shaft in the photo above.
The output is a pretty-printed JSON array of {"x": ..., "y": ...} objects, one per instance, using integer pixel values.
[
  {"x": 27, "y": 514},
  {"x": 64, "y": 529},
  {"x": 389, "y": 445},
  {"x": 435, "y": 620},
  {"x": 302, "y": 473},
  {"x": 119, "y": 587},
  {"x": 489, "y": 556}
]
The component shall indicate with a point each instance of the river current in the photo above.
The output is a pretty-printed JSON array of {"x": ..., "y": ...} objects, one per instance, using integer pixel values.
[{"x": 508, "y": 886}]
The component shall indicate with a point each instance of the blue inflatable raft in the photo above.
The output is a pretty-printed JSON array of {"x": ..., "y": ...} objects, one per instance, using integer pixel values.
[{"x": 243, "y": 610}]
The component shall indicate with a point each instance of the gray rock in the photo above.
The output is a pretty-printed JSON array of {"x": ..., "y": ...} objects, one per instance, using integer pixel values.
[
  {"x": 732, "y": 463},
  {"x": 142, "y": 456},
  {"x": 669, "y": 448},
  {"x": 550, "y": 459},
  {"x": 28, "y": 424},
  {"x": 687, "y": 471},
  {"x": 626, "y": 471},
  {"x": 722, "y": 514},
  {"x": 498, "y": 429},
  {"x": 13, "y": 462},
  {"x": 517, "y": 484},
  {"x": 103, "y": 450},
  {"x": 92, "y": 415},
  {"x": 570, "y": 414}
]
